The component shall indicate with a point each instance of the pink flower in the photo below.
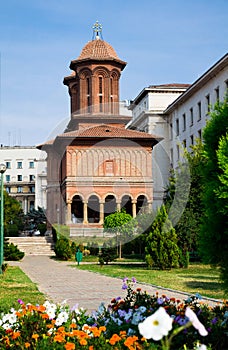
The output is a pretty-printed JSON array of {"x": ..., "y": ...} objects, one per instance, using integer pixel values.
[{"x": 195, "y": 322}]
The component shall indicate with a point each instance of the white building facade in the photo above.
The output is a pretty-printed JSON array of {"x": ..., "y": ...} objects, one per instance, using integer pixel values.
[
  {"x": 178, "y": 113},
  {"x": 148, "y": 116},
  {"x": 26, "y": 175},
  {"x": 187, "y": 116}
]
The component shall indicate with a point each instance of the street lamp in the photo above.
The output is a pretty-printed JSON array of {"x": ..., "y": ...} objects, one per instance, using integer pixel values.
[{"x": 2, "y": 170}]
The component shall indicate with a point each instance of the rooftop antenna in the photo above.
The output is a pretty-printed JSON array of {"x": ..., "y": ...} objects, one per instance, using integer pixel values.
[{"x": 97, "y": 31}]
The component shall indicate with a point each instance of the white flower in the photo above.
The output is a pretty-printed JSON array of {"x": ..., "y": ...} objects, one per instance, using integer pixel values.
[
  {"x": 156, "y": 325},
  {"x": 195, "y": 322},
  {"x": 200, "y": 347},
  {"x": 62, "y": 318},
  {"x": 50, "y": 309}
]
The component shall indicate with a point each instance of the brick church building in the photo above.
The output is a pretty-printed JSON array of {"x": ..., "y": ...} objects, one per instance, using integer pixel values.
[{"x": 97, "y": 166}]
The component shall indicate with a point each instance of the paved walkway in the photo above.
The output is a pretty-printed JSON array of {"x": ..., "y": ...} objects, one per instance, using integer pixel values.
[{"x": 58, "y": 281}]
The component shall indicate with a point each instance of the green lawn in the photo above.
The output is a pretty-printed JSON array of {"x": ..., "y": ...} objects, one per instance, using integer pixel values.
[
  {"x": 14, "y": 285},
  {"x": 198, "y": 278}
]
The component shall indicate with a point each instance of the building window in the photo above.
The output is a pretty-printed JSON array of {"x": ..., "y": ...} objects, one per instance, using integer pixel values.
[
  {"x": 177, "y": 127},
  {"x": 192, "y": 140},
  {"x": 171, "y": 131},
  {"x": 19, "y": 165},
  {"x": 31, "y": 178},
  {"x": 111, "y": 86},
  {"x": 100, "y": 85},
  {"x": 226, "y": 82},
  {"x": 184, "y": 143},
  {"x": 171, "y": 157},
  {"x": 8, "y": 189},
  {"x": 7, "y": 178},
  {"x": 19, "y": 177},
  {"x": 208, "y": 103},
  {"x": 100, "y": 79},
  {"x": 217, "y": 94},
  {"x": 178, "y": 152},
  {"x": 199, "y": 111},
  {"x": 32, "y": 189},
  {"x": 191, "y": 117},
  {"x": 184, "y": 121},
  {"x": 31, "y": 165},
  {"x": 200, "y": 134},
  {"x": 8, "y": 165},
  {"x": 31, "y": 205},
  {"x": 19, "y": 189},
  {"x": 88, "y": 93}
]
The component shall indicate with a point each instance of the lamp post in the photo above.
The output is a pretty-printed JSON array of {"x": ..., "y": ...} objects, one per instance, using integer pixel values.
[{"x": 2, "y": 170}]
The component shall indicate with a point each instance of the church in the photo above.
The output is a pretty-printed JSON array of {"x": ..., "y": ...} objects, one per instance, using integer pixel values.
[{"x": 97, "y": 166}]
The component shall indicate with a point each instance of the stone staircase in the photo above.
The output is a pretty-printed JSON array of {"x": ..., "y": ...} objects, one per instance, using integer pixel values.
[{"x": 42, "y": 245}]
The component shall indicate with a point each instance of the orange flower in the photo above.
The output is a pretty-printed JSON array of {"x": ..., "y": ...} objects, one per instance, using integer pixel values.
[
  {"x": 114, "y": 339},
  {"x": 61, "y": 329},
  {"x": 27, "y": 345},
  {"x": 35, "y": 336},
  {"x": 129, "y": 342},
  {"x": 102, "y": 328},
  {"x": 91, "y": 347},
  {"x": 69, "y": 346},
  {"x": 41, "y": 308},
  {"x": 59, "y": 338},
  {"x": 123, "y": 334},
  {"x": 45, "y": 316},
  {"x": 83, "y": 342},
  {"x": 73, "y": 325},
  {"x": 15, "y": 335}
]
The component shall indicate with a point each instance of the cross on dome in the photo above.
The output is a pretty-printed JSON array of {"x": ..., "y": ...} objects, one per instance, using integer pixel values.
[{"x": 97, "y": 31}]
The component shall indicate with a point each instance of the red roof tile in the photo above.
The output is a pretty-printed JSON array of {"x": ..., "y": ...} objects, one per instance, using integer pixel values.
[{"x": 98, "y": 49}]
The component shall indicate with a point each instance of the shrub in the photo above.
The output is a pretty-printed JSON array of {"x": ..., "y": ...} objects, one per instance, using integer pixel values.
[
  {"x": 161, "y": 243},
  {"x": 62, "y": 249},
  {"x": 11, "y": 251},
  {"x": 107, "y": 254},
  {"x": 42, "y": 228},
  {"x": 94, "y": 248},
  {"x": 12, "y": 230}
]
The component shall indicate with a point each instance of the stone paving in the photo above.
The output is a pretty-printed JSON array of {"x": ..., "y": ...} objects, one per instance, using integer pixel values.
[{"x": 59, "y": 282}]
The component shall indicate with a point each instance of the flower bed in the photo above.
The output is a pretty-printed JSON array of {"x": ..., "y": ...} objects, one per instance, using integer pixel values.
[{"x": 139, "y": 321}]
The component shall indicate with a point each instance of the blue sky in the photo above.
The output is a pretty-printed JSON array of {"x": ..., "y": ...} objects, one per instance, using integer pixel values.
[{"x": 163, "y": 42}]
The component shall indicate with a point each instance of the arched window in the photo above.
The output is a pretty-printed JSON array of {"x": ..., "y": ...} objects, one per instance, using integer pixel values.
[
  {"x": 77, "y": 209},
  {"x": 93, "y": 209},
  {"x": 110, "y": 205},
  {"x": 141, "y": 203},
  {"x": 127, "y": 204},
  {"x": 100, "y": 89},
  {"x": 88, "y": 94},
  {"x": 111, "y": 95}
]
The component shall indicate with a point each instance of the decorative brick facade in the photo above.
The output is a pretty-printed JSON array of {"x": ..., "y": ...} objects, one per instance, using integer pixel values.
[{"x": 97, "y": 166}]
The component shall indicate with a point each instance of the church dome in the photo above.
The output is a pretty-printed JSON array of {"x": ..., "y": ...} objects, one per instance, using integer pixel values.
[{"x": 98, "y": 49}]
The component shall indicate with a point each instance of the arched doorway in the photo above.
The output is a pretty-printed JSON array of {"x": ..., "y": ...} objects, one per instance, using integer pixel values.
[
  {"x": 77, "y": 210},
  {"x": 109, "y": 205},
  {"x": 93, "y": 209},
  {"x": 141, "y": 203},
  {"x": 127, "y": 204}
]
